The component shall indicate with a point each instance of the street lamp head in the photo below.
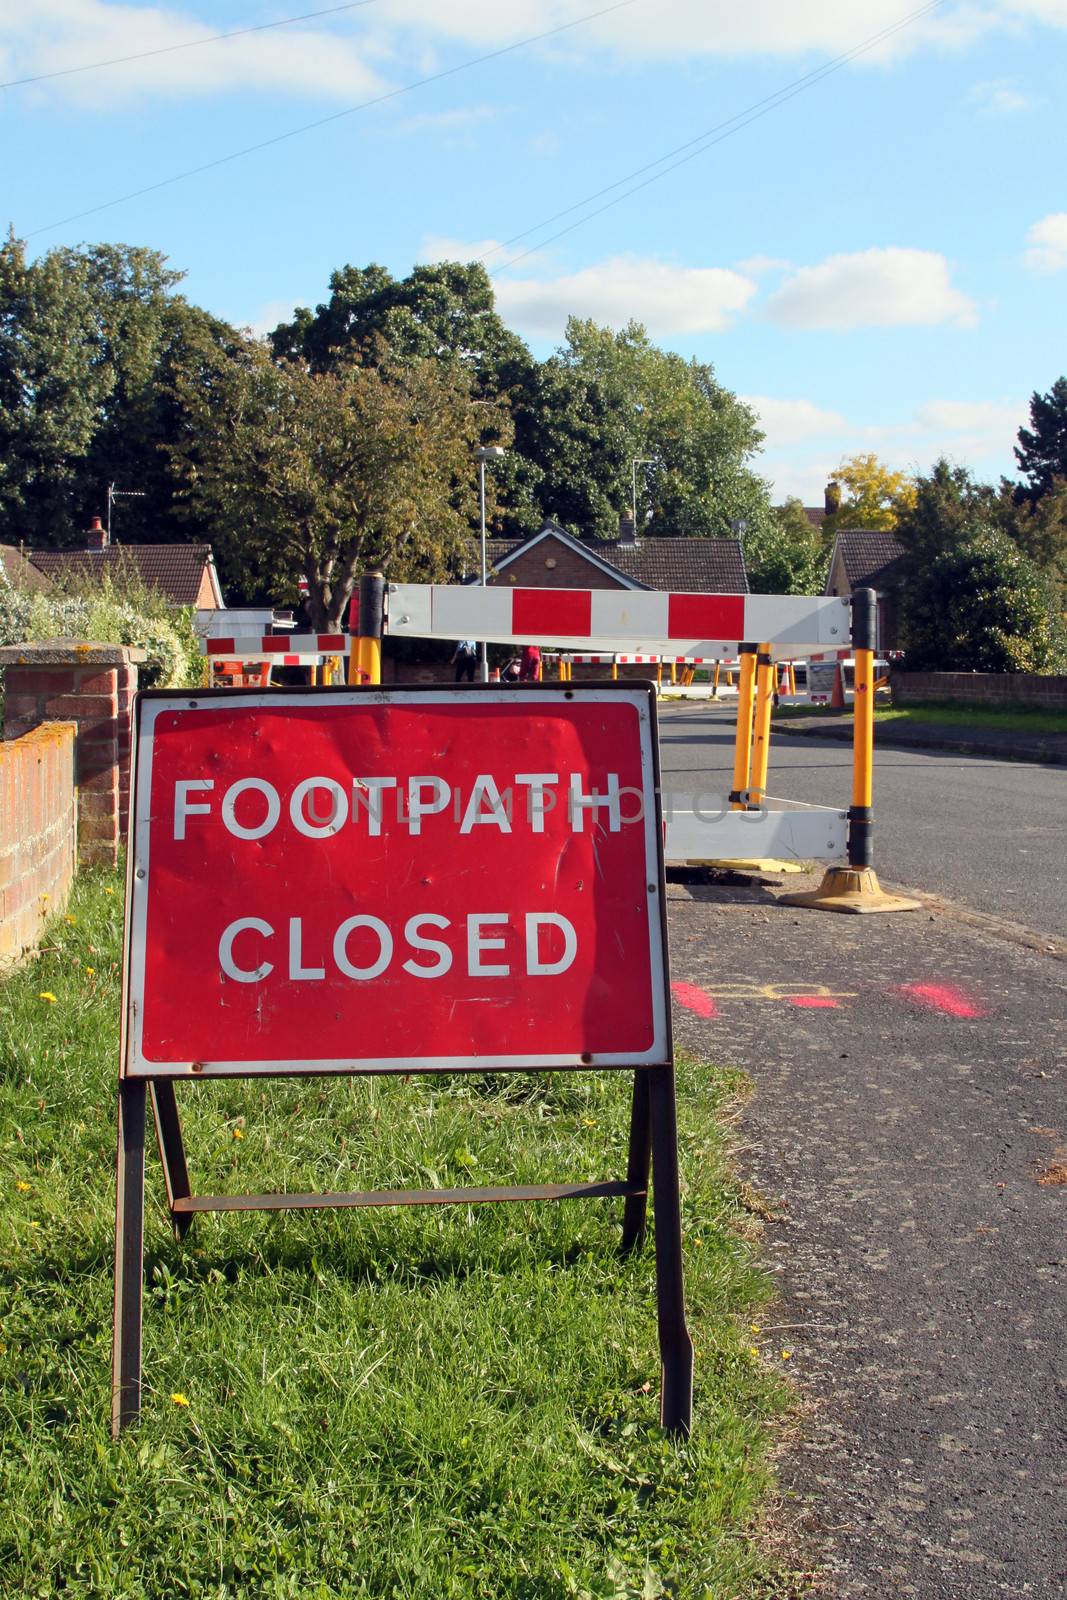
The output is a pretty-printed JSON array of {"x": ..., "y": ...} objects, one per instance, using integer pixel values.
[{"x": 490, "y": 452}]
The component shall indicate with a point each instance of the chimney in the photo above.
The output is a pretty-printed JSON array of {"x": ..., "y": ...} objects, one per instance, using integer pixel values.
[
  {"x": 832, "y": 497},
  {"x": 627, "y": 531},
  {"x": 96, "y": 537}
]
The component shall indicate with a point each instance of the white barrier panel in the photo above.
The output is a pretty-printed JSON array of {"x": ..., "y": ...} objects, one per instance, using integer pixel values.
[
  {"x": 781, "y": 830},
  {"x": 638, "y": 622},
  {"x": 267, "y": 645}
]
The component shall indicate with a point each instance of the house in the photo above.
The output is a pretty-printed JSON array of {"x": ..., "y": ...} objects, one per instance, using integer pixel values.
[
  {"x": 184, "y": 573},
  {"x": 551, "y": 558},
  {"x": 869, "y": 558},
  {"x": 18, "y": 573}
]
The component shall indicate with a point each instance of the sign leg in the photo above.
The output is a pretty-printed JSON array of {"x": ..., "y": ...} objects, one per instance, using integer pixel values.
[
  {"x": 675, "y": 1345},
  {"x": 171, "y": 1152},
  {"x": 636, "y": 1207},
  {"x": 129, "y": 1256}
]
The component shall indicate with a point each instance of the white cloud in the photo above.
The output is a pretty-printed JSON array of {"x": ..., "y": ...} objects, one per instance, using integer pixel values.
[
  {"x": 267, "y": 318},
  {"x": 787, "y": 421},
  {"x": 681, "y": 29},
  {"x": 999, "y": 96},
  {"x": 872, "y": 289},
  {"x": 45, "y": 36},
  {"x": 977, "y": 433},
  {"x": 490, "y": 252},
  {"x": 667, "y": 299},
  {"x": 1047, "y": 241},
  {"x": 756, "y": 265},
  {"x": 456, "y": 121}
]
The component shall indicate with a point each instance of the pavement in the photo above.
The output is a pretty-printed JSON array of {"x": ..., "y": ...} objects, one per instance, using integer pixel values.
[
  {"x": 907, "y": 1132},
  {"x": 1003, "y": 744}
]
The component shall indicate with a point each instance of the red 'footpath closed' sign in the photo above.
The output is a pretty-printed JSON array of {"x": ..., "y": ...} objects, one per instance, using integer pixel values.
[{"x": 415, "y": 879}]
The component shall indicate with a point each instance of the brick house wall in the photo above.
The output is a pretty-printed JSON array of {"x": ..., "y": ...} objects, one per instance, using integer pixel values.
[
  {"x": 1041, "y": 692},
  {"x": 37, "y": 833},
  {"x": 529, "y": 570}
]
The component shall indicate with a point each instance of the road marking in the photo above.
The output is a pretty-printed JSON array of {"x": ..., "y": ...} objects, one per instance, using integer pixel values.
[{"x": 942, "y": 997}]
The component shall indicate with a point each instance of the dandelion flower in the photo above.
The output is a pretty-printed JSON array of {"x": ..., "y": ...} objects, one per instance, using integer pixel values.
[
  {"x": 753, "y": 1351},
  {"x": 588, "y": 1122},
  {"x": 71, "y": 920},
  {"x": 754, "y": 1326},
  {"x": 109, "y": 891},
  {"x": 47, "y": 995},
  {"x": 90, "y": 972},
  {"x": 23, "y": 1188},
  {"x": 786, "y": 1354},
  {"x": 238, "y": 1133},
  {"x": 179, "y": 1399}
]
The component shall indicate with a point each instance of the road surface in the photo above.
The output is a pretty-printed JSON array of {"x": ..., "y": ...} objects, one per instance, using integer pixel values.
[{"x": 991, "y": 834}]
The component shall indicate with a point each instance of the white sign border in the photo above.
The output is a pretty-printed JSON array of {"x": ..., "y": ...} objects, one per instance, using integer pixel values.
[{"x": 153, "y": 704}]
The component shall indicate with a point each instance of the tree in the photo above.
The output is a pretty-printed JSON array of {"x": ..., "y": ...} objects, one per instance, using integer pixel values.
[
  {"x": 1042, "y": 449},
  {"x": 985, "y": 608},
  {"x": 324, "y": 473},
  {"x": 787, "y": 558},
  {"x": 626, "y": 401},
  {"x": 1038, "y": 526},
  {"x": 970, "y": 599},
  {"x": 54, "y": 379},
  {"x": 867, "y": 494}
]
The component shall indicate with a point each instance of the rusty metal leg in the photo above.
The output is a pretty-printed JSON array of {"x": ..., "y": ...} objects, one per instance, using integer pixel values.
[
  {"x": 129, "y": 1256},
  {"x": 675, "y": 1345},
  {"x": 171, "y": 1153},
  {"x": 636, "y": 1207}
]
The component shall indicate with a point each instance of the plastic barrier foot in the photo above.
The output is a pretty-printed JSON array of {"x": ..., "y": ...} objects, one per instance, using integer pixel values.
[
  {"x": 854, "y": 889},
  {"x": 751, "y": 864}
]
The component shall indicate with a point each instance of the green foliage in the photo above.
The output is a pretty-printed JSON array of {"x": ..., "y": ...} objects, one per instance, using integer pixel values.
[
  {"x": 865, "y": 493},
  {"x": 1042, "y": 449},
  {"x": 118, "y": 610},
  {"x": 1038, "y": 526},
  {"x": 983, "y": 607},
  {"x": 436, "y": 1403},
  {"x": 788, "y": 556},
  {"x": 326, "y": 473},
  {"x": 91, "y": 341}
]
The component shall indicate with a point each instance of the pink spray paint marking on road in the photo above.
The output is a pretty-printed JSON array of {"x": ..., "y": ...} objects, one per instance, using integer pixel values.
[
  {"x": 694, "y": 999},
  {"x": 814, "y": 1002},
  {"x": 942, "y": 997}
]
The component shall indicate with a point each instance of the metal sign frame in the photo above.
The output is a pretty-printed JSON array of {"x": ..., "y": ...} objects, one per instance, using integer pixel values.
[{"x": 653, "y": 1141}]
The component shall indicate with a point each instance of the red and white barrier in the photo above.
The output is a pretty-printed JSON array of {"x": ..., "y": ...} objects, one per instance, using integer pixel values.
[
  {"x": 639, "y": 622},
  {"x": 275, "y": 646}
]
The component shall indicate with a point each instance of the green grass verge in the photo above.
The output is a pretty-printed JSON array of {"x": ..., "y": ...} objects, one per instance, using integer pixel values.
[
  {"x": 1015, "y": 719},
  {"x": 425, "y": 1403}
]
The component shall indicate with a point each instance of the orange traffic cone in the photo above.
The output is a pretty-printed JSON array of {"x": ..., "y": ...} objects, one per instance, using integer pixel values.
[{"x": 837, "y": 699}]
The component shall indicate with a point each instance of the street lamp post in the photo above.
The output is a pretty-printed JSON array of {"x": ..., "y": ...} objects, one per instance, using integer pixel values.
[
  {"x": 488, "y": 452},
  {"x": 637, "y": 461}
]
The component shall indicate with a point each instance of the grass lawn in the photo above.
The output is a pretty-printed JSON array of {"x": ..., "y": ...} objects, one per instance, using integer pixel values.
[
  {"x": 430, "y": 1403},
  {"x": 1016, "y": 719}
]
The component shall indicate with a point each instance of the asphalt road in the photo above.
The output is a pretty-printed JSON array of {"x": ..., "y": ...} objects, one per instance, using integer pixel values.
[{"x": 991, "y": 834}]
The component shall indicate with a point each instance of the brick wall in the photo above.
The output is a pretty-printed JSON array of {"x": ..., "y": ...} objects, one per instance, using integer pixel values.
[
  {"x": 92, "y": 686},
  {"x": 37, "y": 833},
  {"x": 570, "y": 570},
  {"x": 981, "y": 688}
]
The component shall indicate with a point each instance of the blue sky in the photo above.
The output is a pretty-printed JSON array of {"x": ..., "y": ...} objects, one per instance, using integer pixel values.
[{"x": 880, "y": 263}]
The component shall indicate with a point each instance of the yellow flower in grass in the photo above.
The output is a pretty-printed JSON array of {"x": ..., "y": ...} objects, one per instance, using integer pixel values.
[
  {"x": 23, "y": 1188},
  {"x": 90, "y": 972},
  {"x": 786, "y": 1355},
  {"x": 179, "y": 1399},
  {"x": 238, "y": 1133},
  {"x": 753, "y": 1352},
  {"x": 109, "y": 891},
  {"x": 47, "y": 995},
  {"x": 71, "y": 920}
]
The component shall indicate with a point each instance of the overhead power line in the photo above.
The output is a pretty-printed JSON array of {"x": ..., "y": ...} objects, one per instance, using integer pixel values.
[
  {"x": 335, "y": 116},
  {"x": 703, "y": 141},
  {"x": 189, "y": 44}
]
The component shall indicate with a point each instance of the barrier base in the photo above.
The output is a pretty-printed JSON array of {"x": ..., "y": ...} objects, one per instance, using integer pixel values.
[
  {"x": 851, "y": 889},
  {"x": 754, "y": 864}
]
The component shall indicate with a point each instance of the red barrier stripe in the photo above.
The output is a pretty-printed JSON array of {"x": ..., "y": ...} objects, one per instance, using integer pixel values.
[
  {"x": 221, "y": 647},
  {"x": 566, "y": 611},
  {"x": 706, "y": 616}
]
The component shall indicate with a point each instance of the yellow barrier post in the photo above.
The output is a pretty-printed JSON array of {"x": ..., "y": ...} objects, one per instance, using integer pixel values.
[
  {"x": 371, "y": 625},
  {"x": 614, "y": 668},
  {"x": 761, "y": 733},
  {"x": 856, "y": 887},
  {"x": 743, "y": 733}
]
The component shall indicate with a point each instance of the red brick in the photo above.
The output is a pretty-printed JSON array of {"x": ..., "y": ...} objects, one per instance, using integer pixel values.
[
  {"x": 80, "y": 707},
  {"x": 88, "y": 681},
  {"x": 104, "y": 781},
  {"x": 41, "y": 680}
]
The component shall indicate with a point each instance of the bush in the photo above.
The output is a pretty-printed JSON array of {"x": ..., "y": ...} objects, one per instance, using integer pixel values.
[{"x": 109, "y": 613}]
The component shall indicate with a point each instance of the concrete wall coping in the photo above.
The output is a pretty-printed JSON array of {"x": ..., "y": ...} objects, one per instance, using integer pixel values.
[{"x": 70, "y": 653}]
